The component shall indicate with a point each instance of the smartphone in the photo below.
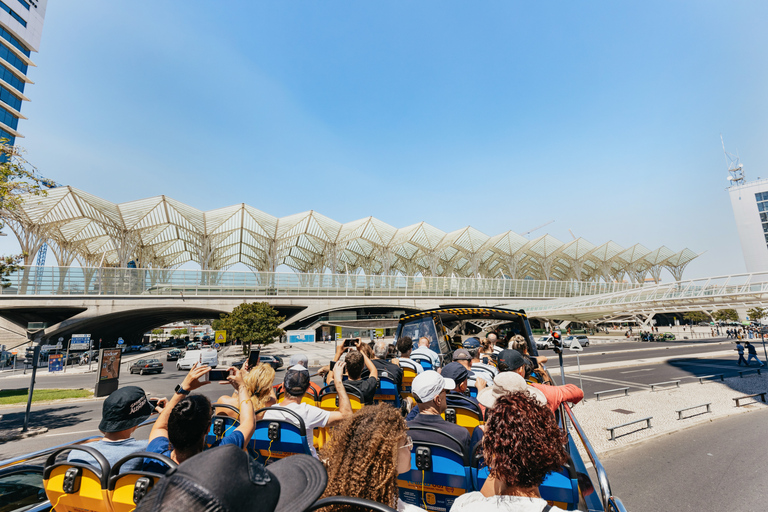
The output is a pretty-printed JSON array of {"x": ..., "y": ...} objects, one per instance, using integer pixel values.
[
  {"x": 333, "y": 363},
  {"x": 253, "y": 357},
  {"x": 351, "y": 342},
  {"x": 153, "y": 402},
  {"x": 217, "y": 375}
]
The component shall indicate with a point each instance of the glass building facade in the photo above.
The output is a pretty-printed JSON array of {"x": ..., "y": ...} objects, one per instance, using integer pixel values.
[
  {"x": 750, "y": 209},
  {"x": 21, "y": 25}
]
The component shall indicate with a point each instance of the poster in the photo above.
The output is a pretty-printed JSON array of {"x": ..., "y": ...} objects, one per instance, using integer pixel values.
[
  {"x": 110, "y": 364},
  {"x": 56, "y": 362}
]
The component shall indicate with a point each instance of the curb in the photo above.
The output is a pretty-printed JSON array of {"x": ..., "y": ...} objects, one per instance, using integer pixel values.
[{"x": 16, "y": 434}]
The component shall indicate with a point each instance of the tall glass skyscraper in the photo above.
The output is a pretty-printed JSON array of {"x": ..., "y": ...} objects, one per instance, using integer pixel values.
[
  {"x": 21, "y": 27},
  {"x": 750, "y": 207}
]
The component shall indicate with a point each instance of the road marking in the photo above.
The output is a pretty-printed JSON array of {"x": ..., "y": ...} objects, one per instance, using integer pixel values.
[
  {"x": 71, "y": 433},
  {"x": 643, "y": 370}
]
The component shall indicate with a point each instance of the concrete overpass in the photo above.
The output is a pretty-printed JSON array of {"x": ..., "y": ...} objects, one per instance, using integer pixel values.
[{"x": 122, "y": 302}]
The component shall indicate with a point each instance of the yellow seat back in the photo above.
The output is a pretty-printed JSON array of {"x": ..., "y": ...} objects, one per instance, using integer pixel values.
[
  {"x": 464, "y": 418},
  {"x": 320, "y": 436},
  {"x": 74, "y": 486},
  {"x": 126, "y": 489},
  {"x": 408, "y": 375},
  {"x": 329, "y": 401}
]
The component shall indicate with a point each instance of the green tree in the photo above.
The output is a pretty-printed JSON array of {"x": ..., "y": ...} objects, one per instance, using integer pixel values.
[
  {"x": 179, "y": 332},
  {"x": 17, "y": 178},
  {"x": 157, "y": 332},
  {"x": 256, "y": 322},
  {"x": 726, "y": 315},
  {"x": 757, "y": 313},
  {"x": 696, "y": 316}
]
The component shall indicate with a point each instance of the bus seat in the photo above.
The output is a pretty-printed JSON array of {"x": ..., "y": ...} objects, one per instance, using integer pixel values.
[
  {"x": 439, "y": 473},
  {"x": 320, "y": 436},
  {"x": 472, "y": 391},
  {"x": 463, "y": 412},
  {"x": 425, "y": 362},
  {"x": 387, "y": 392},
  {"x": 329, "y": 399},
  {"x": 75, "y": 486},
  {"x": 276, "y": 439},
  {"x": 408, "y": 375},
  {"x": 221, "y": 424},
  {"x": 128, "y": 488}
]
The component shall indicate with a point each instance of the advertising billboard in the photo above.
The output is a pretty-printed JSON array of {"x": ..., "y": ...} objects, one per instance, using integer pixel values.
[{"x": 300, "y": 336}]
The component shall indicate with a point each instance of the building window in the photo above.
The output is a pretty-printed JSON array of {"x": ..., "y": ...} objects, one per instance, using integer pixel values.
[
  {"x": 13, "y": 14},
  {"x": 11, "y": 58},
  {"x": 15, "y": 102},
  {"x": 15, "y": 42},
  {"x": 5, "y": 135},
  {"x": 762, "y": 207},
  {"x": 24, "y": 3},
  {"x": 7, "y": 75}
]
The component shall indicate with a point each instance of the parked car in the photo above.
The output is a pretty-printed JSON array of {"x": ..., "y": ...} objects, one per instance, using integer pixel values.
[
  {"x": 173, "y": 355},
  {"x": 143, "y": 366},
  {"x": 145, "y": 348},
  {"x": 545, "y": 342},
  {"x": 583, "y": 340}
]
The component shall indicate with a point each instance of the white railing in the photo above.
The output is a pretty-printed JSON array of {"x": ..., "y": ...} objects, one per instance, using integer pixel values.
[{"x": 88, "y": 281}]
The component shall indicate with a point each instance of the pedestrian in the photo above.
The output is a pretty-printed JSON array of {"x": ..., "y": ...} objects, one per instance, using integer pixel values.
[
  {"x": 752, "y": 354},
  {"x": 740, "y": 349}
]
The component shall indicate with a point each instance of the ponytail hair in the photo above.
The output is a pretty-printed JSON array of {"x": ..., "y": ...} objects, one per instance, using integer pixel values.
[{"x": 188, "y": 424}]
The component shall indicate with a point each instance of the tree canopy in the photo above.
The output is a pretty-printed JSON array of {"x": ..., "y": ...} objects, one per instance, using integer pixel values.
[
  {"x": 17, "y": 177},
  {"x": 757, "y": 313},
  {"x": 726, "y": 315},
  {"x": 179, "y": 332},
  {"x": 696, "y": 316},
  {"x": 255, "y": 322}
]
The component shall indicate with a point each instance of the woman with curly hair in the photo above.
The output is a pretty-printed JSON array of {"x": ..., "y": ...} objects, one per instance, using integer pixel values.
[
  {"x": 258, "y": 381},
  {"x": 522, "y": 444},
  {"x": 365, "y": 455}
]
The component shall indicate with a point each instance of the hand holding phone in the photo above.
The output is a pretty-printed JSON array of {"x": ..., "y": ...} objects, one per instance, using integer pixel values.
[
  {"x": 253, "y": 358},
  {"x": 219, "y": 375}
]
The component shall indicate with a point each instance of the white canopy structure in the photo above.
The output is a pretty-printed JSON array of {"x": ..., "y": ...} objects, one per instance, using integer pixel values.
[{"x": 160, "y": 232}]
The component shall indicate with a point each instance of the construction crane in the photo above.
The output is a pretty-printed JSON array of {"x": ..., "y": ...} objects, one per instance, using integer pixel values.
[
  {"x": 537, "y": 228},
  {"x": 735, "y": 168}
]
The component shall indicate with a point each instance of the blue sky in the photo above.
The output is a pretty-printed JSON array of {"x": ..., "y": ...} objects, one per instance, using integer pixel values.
[{"x": 602, "y": 116}]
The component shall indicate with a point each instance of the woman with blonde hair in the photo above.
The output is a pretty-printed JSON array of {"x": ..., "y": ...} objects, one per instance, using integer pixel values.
[
  {"x": 365, "y": 455},
  {"x": 258, "y": 381}
]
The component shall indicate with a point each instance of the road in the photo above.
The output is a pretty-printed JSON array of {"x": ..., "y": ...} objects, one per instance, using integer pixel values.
[{"x": 713, "y": 466}]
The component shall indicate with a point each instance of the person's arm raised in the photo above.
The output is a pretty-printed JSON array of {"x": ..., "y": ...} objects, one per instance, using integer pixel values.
[
  {"x": 345, "y": 408},
  {"x": 247, "y": 419},
  {"x": 190, "y": 382},
  {"x": 371, "y": 368}
]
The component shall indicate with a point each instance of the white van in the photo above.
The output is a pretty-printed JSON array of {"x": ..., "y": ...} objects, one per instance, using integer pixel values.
[{"x": 207, "y": 356}]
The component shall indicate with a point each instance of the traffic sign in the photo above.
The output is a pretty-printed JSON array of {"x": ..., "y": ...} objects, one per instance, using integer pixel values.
[
  {"x": 120, "y": 341},
  {"x": 79, "y": 342},
  {"x": 56, "y": 363},
  {"x": 220, "y": 337},
  {"x": 216, "y": 346}
]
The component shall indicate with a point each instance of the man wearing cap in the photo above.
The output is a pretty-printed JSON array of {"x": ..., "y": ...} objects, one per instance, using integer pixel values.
[
  {"x": 303, "y": 360},
  {"x": 456, "y": 372},
  {"x": 226, "y": 479},
  {"x": 296, "y": 383},
  {"x": 121, "y": 414},
  {"x": 511, "y": 361},
  {"x": 463, "y": 357},
  {"x": 429, "y": 390}
]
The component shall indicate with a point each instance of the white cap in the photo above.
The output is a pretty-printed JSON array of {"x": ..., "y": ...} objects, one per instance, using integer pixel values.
[
  {"x": 508, "y": 382},
  {"x": 428, "y": 384},
  {"x": 301, "y": 359}
]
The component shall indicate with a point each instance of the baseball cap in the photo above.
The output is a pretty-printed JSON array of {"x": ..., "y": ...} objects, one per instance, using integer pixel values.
[
  {"x": 508, "y": 382},
  {"x": 455, "y": 372},
  {"x": 226, "y": 479},
  {"x": 296, "y": 380},
  {"x": 428, "y": 384},
  {"x": 301, "y": 359},
  {"x": 510, "y": 360},
  {"x": 125, "y": 408},
  {"x": 471, "y": 343},
  {"x": 461, "y": 355}
]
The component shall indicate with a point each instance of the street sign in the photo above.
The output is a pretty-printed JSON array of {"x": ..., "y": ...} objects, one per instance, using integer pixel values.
[
  {"x": 48, "y": 348},
  {"x": 56, "y": 362},
  {"x": 220, "y": 337},
  {"x": 120, "y": 341},
  {"x": 80, "y": 342},
  {"x": 61, "y": 338},
  {"x": 216, "y": 346}
]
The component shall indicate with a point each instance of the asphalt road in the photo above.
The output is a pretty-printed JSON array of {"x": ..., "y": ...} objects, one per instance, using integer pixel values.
[{"x": 713, "y": 466}]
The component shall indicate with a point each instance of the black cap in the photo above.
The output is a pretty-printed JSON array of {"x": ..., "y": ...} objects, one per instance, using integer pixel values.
[
  {"x": 296, "y": 381},
  {"x": 226, "y": 479},
  {"x": 456, "y": 372},
  {"x": 125, "y": 408},
  {"x": 510, "y": 360}
]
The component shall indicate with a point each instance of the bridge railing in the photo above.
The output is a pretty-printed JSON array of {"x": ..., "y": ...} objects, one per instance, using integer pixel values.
[{"x": 32, "y": 280}]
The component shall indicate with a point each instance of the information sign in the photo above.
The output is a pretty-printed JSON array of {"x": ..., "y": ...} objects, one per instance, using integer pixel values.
[
  {"x": 300, "y": 336},
  {"x": 216, "y": 346},
  {"x": 56, "y": 362},
  {"x": 80, "y": 342}
]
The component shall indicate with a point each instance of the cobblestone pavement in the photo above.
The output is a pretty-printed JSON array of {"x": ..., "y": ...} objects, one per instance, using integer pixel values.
[{"x": 596, "y": 416}]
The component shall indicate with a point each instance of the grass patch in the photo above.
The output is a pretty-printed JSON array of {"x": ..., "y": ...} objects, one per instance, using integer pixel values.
[{"x": 19, "y": 396}]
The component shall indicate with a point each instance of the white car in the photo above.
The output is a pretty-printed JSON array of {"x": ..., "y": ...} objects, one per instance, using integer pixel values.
[
  {"x": 205, "y": 356},
  {"x": 545, "y": 342},
  {"x": 569, "y": 340}
]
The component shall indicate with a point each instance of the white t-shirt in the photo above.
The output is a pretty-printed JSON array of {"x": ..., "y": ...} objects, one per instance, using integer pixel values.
[
  {"x": 314, "y": 417},
  {"x": 485, "y": 371},
  {"x": 428, "y": 352},
  {"x": 476, "y": 502}
]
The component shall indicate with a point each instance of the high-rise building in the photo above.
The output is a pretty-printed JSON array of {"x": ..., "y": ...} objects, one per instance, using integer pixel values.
[
  {"x": 750, "y": 207},
  {"x": 21, "y": 28}
]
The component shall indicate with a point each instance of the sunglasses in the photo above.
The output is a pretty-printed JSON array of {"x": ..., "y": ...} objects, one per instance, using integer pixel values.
[{"x": 408, "y": 443}]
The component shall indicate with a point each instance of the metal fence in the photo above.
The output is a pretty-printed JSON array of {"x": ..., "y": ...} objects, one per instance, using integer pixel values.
[{"x": 32, "y": 280}]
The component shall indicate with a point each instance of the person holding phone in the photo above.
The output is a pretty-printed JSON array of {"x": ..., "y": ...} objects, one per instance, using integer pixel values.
[{"x": 180, "y": 430}]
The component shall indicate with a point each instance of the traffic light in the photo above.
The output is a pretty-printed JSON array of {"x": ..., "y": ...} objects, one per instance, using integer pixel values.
[
  {"x": 29, "y": 356},
  {"x": 557, "y": 342}
]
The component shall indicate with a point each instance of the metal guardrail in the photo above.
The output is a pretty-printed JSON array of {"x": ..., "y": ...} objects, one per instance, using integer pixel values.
[
  {"x": 610, "y": 502},
  {"x": 80, "y": 281}
]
